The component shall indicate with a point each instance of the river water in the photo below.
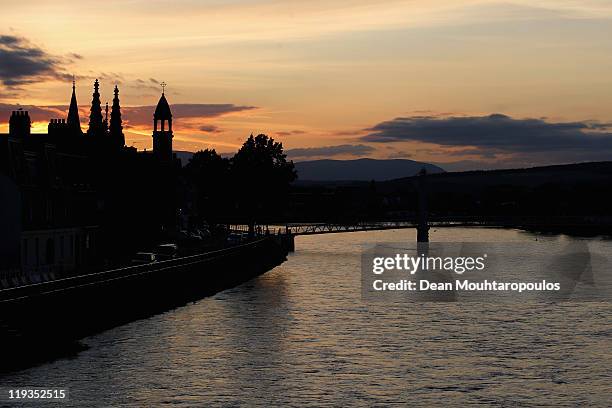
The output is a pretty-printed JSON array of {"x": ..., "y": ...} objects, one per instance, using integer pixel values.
[{"x": 302, "y": 335}]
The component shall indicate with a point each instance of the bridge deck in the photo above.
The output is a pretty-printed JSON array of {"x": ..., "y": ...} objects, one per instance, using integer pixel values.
[{"x": 600, "y": 223}]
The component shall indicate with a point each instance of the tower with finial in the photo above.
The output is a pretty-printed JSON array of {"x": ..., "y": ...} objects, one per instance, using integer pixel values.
[
  {"x": 162, "y": 131},
  {"x": 96, "y": 126},
  {"x": 116, "y": 125},
  {"x": 73, "y": 120},
  {"x": 106, "y": 119}
]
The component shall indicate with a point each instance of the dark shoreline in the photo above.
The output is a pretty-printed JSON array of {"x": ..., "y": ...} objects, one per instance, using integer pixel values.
[{"x": 47, "y": 324}]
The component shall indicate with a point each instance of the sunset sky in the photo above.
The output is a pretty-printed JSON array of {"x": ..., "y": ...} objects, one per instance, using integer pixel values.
[{"x": 462, "y": 83}]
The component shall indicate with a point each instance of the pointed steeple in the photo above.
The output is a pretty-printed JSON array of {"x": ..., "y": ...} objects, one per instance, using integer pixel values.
[
  {"x": 162, "y": 136},
  {"x": 106, "y": 119},
  {"x": 73, "y": 120},
  {"x": 96, "y": 127},
  {"x": 116, "y": 125}
]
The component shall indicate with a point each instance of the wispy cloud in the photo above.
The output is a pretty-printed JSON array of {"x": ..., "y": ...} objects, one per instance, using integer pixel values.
[
  {"x": 37, "y": 113},
  {"x": 143, "y": 115},
  {"x": 487, "y": 136},
  {"x": 22, "y": 63},
  {"x": 495, "y": 131},
  {"x": 210, "y": 129},
  {"x": 290, "y": 133}
]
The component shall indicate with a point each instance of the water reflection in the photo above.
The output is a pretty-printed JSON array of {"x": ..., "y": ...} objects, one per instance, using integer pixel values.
[{"x": 301, "y": 335}]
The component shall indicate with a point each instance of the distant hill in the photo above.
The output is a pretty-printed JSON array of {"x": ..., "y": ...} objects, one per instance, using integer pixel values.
[
  {"x": 361, "y": 169},
  {"x": 566, "y": 174},
  {"x": 570, "y": 190},
  {"x": 349, "y": 170}
]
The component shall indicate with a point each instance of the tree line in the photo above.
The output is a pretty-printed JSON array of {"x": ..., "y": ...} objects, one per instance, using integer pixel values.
[{"x": 250, "y": 187}]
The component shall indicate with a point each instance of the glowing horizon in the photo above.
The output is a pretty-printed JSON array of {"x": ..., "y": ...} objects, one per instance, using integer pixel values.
[{"x": 323, "y": 74}]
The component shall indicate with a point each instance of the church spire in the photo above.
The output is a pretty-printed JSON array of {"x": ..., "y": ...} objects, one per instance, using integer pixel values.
[
  {"x": 73, "y": 120},
  {"x": 106, "y": 119},
  {"x": 96, "y": 127},
  {"x": 162, "y": 136},
  {"x": 116, "y": 125}
]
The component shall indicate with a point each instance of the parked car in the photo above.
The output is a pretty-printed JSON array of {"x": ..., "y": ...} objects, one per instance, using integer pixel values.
[
  {"x": 142, "y": 258},
  {"x": 164, "y": 252}
]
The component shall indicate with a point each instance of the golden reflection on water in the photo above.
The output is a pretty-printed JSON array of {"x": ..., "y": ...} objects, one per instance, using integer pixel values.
[{"x": 301, "y": 335}]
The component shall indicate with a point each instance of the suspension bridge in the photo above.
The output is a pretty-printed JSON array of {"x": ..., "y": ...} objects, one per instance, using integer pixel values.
[{"x": 546, "y": 222}]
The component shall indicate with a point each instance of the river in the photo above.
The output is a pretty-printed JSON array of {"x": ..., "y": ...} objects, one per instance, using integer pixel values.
[{"x": 302, "y": 335}]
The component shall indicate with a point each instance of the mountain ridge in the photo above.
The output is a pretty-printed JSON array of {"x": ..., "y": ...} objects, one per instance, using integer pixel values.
[
  {"x": 365, "y": 169},
  {"x": 361, "y": 169}
]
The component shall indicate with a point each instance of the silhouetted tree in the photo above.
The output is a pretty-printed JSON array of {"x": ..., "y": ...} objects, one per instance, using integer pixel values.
[
  {"x": 261, "y": 175},
  {"x": 208, "y": 174}
]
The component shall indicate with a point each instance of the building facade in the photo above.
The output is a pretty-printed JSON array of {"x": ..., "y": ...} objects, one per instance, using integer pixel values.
[{"x": 77, "y": 202}]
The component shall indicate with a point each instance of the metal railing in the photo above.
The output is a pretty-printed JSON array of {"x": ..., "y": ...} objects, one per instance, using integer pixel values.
[
  {"x": 453, "y": 221},
  {"x": 121, "y": 273}
]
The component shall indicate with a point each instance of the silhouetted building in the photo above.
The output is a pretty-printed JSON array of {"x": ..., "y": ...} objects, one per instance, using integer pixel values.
[
  {"x": 57, "y": 207},
  {"x": 73, "y": 120},
  {"x": 79, "y": 202},
  {"x": 162, "y": 135},
  {"x": 19, "y": 124},
  {"x": 116, "y": 124},
  {"x": 96, "y": 126}
]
